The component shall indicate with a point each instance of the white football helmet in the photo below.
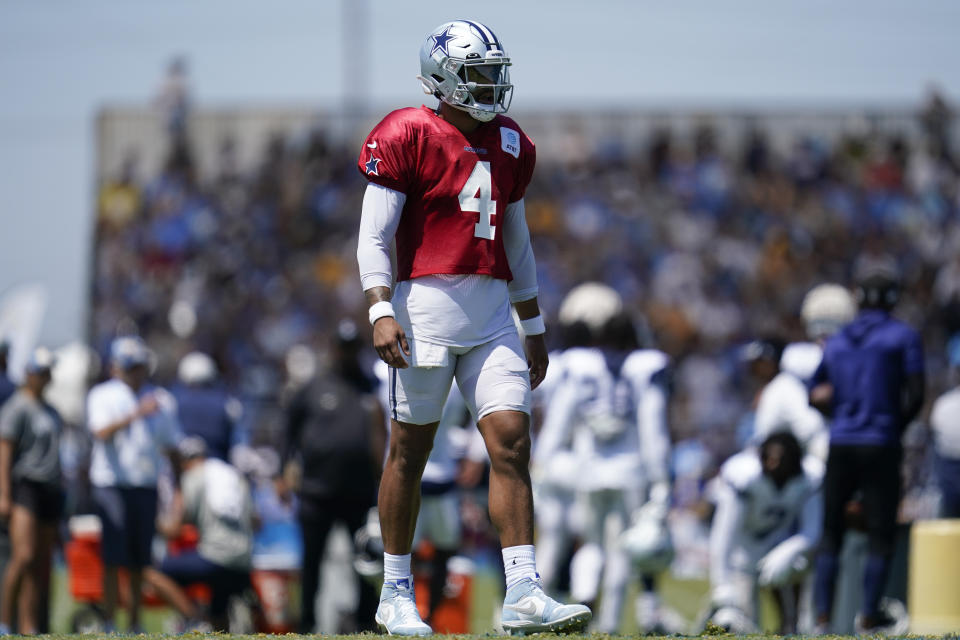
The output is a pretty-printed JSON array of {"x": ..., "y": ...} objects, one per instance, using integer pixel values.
[
  {"x": 648, "y": 541},
  {"x": 826, "y": 309},
  {"x": 591, "y": 303},
  {"x": 463, "y": 64}
]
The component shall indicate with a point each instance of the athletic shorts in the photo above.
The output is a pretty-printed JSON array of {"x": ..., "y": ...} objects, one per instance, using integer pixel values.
[
  {"x": 43, "y": 500},
  {"x": 128, "y": 517},
  {"x": 492, "y": 377}
]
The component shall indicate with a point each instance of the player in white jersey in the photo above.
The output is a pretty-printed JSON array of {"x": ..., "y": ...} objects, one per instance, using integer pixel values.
[
  {"x": 784, "y": 403},
  {"x": 612, "y": 403},
  {"x": 555, "y": 484},
  {"x": 767, "y": 523},
  {"x": 582, "y": 314}
]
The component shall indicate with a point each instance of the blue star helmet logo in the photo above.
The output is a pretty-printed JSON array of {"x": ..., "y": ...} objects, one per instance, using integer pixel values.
[
  {"x": 372, "y": 164},
  {"x": 440, "y": 41}
]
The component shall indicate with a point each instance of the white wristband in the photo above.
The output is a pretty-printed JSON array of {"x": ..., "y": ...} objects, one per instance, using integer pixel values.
[
  {"x": 533, "y": 326},
  {"x": 380, "y": 310}
]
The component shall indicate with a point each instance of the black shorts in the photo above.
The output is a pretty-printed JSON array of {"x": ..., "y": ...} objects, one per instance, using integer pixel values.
[
  {"x": 42, "y": 499},
  {"x": 128, "y": 517}
]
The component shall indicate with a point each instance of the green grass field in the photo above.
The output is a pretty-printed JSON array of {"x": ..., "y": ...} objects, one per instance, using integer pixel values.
[{"x": 686, "y": 597}]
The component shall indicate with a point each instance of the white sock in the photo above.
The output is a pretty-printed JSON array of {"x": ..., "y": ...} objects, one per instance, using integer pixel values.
[
  {"x": 519, "y": 562},
  {"x": 396, "y": 567}
]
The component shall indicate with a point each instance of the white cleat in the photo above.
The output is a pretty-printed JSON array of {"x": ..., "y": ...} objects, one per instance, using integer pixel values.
[
  {"x": 527, "y": 609},
  {"x": 892, "y": 620},
  {"x": 397, "y": 613}
]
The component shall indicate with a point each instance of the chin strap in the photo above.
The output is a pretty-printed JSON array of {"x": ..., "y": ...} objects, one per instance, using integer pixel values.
[{"x": 428, "y": 88}]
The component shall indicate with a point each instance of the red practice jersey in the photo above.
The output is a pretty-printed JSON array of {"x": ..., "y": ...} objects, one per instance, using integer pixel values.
[{"x": 457, "y": 186}]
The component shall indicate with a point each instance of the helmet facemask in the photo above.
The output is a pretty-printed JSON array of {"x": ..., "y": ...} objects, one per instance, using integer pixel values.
[
  {"x": 483, "y": 88},
  {"x": 478, "y": 83}
]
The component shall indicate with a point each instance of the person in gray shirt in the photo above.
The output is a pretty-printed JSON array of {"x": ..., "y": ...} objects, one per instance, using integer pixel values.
[
  {"x": 214, "y": 497},
  {"x": 30, "y": 492}
]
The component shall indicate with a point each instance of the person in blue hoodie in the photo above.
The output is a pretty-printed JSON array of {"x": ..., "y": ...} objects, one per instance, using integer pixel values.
[{"x": 870, "y": 384}]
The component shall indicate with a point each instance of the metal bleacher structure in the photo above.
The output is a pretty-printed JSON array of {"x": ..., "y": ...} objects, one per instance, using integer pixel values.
[{"x": 558, "y": 134}]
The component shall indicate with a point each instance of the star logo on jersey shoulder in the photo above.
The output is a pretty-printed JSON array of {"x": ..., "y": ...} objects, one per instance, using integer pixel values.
[
  {"x": 372, "y": 165},
  {"x": 440, "y": 41}
]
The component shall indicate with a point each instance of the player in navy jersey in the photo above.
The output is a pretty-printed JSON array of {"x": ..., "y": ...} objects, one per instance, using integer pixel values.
[{"x": 446, "y": 185}]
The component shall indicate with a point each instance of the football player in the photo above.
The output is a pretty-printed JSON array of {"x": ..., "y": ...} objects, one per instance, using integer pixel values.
[
  {"x": 612, "y": 402},
  {"x": 582, "y": 313},
  {"x": 446, "y": 187},
  {"x": 783, "y": 404},
  {"x": 767, "y": 522}
]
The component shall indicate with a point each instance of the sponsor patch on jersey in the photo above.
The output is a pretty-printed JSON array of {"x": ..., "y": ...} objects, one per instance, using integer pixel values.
[
  {"x": 479, "y": 151},
  {"x": 510, "y": 141}
]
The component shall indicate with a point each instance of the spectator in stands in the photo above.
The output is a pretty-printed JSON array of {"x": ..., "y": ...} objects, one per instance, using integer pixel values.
[
  {"x": 214, "y": 497},
  {"x": 133, "y": 423},
  {"x": 205, "y": 408},
  {"x": 30, "y": 494},
  {"x": 871, "y": 385},
  {"x": 711, "y": 245},
  {"x": 335, "y": 434},
  {"x": 6, "y": 385},
  {"x": 945, "y": 422},
  {"x": 120, "y": 198}
]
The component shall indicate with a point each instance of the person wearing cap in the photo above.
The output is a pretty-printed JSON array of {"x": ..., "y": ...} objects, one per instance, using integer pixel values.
[
  {"x": 7, "y": 387},
  {"x": 945, "y": 422},
  {"x": 30, "y": 494},
  {"x": 133, "y": 424},
  {"x": 214, "y": 497},
  {"x": 205, "y": 408},
  {"x": 870, "y": 384}
]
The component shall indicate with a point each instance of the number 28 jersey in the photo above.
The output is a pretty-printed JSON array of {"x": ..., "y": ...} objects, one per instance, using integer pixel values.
[{"x": 457, "y": 186}]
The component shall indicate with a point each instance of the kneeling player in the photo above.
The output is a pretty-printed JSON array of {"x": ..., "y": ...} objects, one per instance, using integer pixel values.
[{"x": 768, "y": 520}]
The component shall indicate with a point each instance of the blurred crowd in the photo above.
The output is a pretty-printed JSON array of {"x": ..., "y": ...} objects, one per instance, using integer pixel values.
[{"x": 712, "y": 241}]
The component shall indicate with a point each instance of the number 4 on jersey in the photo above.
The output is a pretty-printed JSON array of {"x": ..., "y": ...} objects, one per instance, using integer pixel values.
[{"x": 476, "y": 197}]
